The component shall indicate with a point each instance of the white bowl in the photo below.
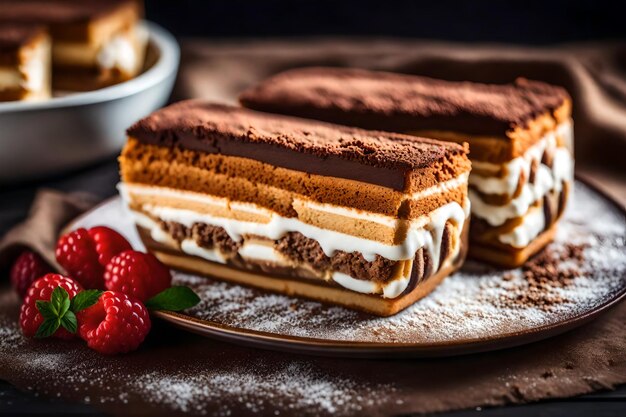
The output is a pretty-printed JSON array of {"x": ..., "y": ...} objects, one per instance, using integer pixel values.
[{"x": 63, "y": 133}]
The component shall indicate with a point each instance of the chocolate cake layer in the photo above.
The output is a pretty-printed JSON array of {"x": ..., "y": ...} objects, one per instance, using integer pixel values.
[
  {"x": 247, "y": 180},
  {"x": 404, "y": 103},
  {"x": 303, "y": 255},
  {"x": 396, "y": 161}
]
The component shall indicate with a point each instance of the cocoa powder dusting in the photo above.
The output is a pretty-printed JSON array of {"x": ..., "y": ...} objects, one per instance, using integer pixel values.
[{"x": 551, "y": 269}]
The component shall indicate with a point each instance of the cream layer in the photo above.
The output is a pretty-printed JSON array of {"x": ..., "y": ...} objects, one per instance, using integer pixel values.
[
  {"x": 425, "y": 231},
  {"x": 533, "y": 223},
  {"x": 547, "y": 179},
  {"x": 255, "y": 252},
  {"x": 123, "y": 51},
  {"x": 390, "y": 289}
]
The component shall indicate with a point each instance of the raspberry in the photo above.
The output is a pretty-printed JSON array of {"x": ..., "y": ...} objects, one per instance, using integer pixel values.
[
  {"x": 137, "y": 274},
  {"x": 108, "y": 243},
  {"x": 117, "y": 323},
  {"x": 84, "y": 253},
  {"x": 28, "y": 267},
  {"x": 30, "y": 317}
]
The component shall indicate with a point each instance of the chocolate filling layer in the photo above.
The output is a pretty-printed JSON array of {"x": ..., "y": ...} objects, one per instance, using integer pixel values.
[
  {"x": 303, "y": 250},
  {"x": 298, "y": 247},
  {"x": 204, "y": 235}
]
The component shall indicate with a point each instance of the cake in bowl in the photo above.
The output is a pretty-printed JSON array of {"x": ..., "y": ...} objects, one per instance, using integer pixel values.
[
  {"x": 24, "y": 63},
  {"x": 95, "y": 43}
]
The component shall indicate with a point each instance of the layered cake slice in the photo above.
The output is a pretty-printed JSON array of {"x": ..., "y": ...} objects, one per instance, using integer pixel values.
[
  {"x": 24, "y": 63},
  {"x": 95, "y": 43},
  {"x": 520, "y": 138},
  {"x": 368, "y": 220}
]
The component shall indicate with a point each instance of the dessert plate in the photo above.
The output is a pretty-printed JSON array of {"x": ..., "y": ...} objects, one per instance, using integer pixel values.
[{"x": 580, "y": 275}]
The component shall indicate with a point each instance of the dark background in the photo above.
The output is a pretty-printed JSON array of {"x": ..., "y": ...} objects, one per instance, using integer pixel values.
[{"x": 522, "y": 22}]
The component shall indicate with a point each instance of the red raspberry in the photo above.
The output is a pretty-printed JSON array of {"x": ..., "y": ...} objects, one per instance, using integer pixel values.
[
  {"x": 138, "y": 274},
  {"x": 108, "y": 243},
  {"x": 30, "y": 317},
  {"x": 28, "y": 267},
  {"x": 84, "y": 253},
  {"x": 76, "y": 253},
  {"x": 117, "y": 323}
]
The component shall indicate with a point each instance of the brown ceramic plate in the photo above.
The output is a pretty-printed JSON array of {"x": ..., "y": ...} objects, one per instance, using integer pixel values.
[{"x": 477, "y": 309}]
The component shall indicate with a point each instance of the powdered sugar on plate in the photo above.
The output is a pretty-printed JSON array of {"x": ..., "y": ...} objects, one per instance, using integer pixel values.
[
  {"x": 255, "y": 388},
  {"x": 588, "y": 264}
]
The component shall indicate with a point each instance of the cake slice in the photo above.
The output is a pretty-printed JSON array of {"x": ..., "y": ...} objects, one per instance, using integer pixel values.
[
  {"x": 95, "y": 43},
  {"x": 367, "y": 220},
  {"x": 520, "y": 138},
  {"x": 24, "y": 63}
]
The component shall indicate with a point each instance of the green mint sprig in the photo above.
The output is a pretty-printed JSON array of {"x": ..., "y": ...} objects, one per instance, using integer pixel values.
[
  {"x": 60, "y": 311},
  {"x": 175, "y": 298}
]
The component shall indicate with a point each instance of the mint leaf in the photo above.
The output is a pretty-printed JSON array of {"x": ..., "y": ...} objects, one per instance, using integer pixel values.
[
  {"x": 57, "y": 313},
  {"x": 85, "y": 299},
  {"x": 60, "y": 301},
  {"x": 65, "y": 306},
  {"x": 47, "y": 328},
  {"x": 69, "y": 322},
  {"x": 173, "y": 299},
  {"x": 46, "y": 310}
]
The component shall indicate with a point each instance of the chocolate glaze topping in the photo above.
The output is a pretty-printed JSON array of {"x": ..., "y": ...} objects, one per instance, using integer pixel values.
[
  {"x": 395, "y": 102},
  {"x": 303, "y": 145}
]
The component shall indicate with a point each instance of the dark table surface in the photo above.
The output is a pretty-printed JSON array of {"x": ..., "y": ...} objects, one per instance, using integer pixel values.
[{"x": 100, "y": 180}]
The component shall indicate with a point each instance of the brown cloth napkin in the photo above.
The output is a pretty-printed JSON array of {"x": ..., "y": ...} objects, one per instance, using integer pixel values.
[
  {"x": 590, "y": 358},
  {"x": 50, "y": 211},
  {"x": 594, "y": 74}
]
